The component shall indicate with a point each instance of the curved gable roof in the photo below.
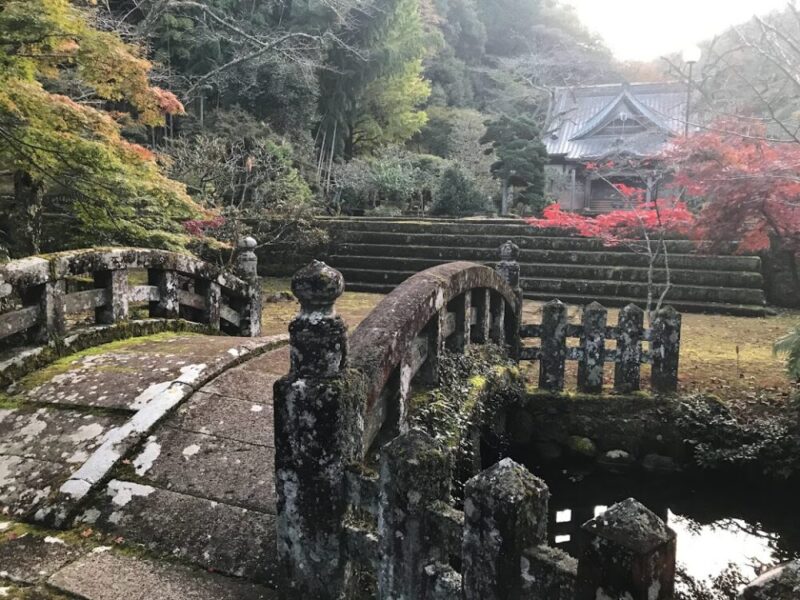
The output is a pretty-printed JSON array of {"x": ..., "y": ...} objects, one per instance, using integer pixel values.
[
  {"x": 624, "y": 99},
  {"x": 577, "y": 114}
]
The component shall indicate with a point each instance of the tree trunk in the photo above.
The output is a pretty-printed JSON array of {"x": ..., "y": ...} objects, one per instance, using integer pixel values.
[{"x": 26, "y": 231}]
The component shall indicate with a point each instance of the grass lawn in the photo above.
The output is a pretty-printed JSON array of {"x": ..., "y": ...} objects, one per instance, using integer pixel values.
[{"x": 730, "y": 357}]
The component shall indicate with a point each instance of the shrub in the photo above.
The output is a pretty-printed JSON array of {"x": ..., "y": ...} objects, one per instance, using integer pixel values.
[
  {"x": 458, "y": 195},
  {"x": 789, "y": 345}
]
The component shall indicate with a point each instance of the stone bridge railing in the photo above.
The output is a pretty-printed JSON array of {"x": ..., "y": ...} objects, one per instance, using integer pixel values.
[
  {"x": 342, "y": 413},
  {"x": 43, "y": 298}
]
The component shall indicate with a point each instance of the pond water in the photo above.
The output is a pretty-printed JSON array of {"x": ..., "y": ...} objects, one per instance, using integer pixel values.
[{"x": 719, "y": 523}]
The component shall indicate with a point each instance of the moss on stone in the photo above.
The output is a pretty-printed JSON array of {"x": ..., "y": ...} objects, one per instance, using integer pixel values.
[
  {"x": 65, "y": 363},
  {"x": 9, "y": 403}
]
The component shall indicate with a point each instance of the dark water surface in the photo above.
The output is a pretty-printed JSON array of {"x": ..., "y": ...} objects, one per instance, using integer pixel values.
[{"x": 719, "y": 523}]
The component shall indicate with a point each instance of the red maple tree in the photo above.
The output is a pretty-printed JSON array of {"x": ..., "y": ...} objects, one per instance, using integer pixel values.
[
  {"x": 644, "y": 228},
  {"x": 748, "y": 186}
]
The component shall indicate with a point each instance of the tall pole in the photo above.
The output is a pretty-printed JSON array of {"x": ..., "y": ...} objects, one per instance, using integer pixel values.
[{"x": 688, "y": 100}]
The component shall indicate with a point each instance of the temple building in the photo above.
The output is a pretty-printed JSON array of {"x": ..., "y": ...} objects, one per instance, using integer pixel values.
[{"x": 618, "y": 127}]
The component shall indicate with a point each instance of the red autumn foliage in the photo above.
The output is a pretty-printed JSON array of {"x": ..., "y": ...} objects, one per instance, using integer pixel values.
[
  {"x": 168, "y": 102},
  {"x": 750, "y": 187},
  {"x": 140, "y": 152},
  {"x": 620, "y": 226},
  {"x": 199, "y": 227}
]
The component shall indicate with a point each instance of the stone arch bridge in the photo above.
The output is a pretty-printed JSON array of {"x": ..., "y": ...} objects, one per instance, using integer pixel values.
[{"x": 316, "y": 465}]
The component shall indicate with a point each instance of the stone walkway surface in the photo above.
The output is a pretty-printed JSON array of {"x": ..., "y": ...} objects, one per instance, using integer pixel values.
[{"x": 164, "y": 442}]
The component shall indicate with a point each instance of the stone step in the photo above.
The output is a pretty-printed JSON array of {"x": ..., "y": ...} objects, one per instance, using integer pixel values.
[
  {"x": 740, "y": 310},
  {"x": 556, "y": 287},
  {"x": 213, "y": 535},
  {"x": 482, "y": 227},
  {"x": 485, "y": 239},
  {"x": 567, "y": 271},
  {"x": 693, "y": 293},
  {"x": 702, "y": 262},
  {"x": 41, "y": 563},
  {"x": 111, "y": 576}
]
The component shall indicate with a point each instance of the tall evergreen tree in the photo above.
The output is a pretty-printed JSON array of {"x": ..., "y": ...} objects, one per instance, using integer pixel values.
[{"x": 521, "y": 157}]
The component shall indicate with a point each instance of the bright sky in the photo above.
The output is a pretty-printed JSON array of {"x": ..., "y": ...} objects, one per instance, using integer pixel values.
[{"x": 647, "y": 29}]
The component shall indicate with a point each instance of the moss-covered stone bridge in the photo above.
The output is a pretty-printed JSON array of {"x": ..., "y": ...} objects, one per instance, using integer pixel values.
[{"x": 154, "y": 445}]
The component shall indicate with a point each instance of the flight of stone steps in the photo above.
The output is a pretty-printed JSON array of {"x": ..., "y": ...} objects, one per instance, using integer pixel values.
[{"x": 375, "y": 255}]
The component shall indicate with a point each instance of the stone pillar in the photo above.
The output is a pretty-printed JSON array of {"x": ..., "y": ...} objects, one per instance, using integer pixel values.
[
  {"x": 505, "y": 513},
  {"x": 462, "y": 308},
  {"x": 415, "y": 472},
  {"x": 116, "y": 286},
  {"x": 429, "y": 372},
  {"x": 212, "y": 293},
  {"x": 665, "y": 346},
  {"x": 247, "y": 267},
  {"x": 168, "y": 305},
  {"x": 508, "y": 269},
  {"x": 629, "y": 349},
  {"x": 317, "y": 434},
  {"x": 481, "y": 304},
  {"x": 497, "y": 328},
  {"x": 593, "y": 346},
  {"x": 52, "y": 307},
  {"x": 627, "y": 552},
  {"x": 554, "y": 346},
  {"x": 246, "y": 259}
]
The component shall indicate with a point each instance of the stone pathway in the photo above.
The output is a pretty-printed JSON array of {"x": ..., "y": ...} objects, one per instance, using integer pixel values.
[
  {"x": 51, "y": 567},
  {"x": 169, "y": 446}
]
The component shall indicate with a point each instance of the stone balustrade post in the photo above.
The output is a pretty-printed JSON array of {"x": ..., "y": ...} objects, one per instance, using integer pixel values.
[
  {"x": 627, "y": 552},
  {"x": 247, "y": 267},
  {"x": 116, "y": 285},
  {"x": 505, "y": 513},
  {"x": 460, "y": 338},
  {"x": 212, "y": 295},
  {"x": 665, "y": 346},
  {"x": 49, "y": 298},
  {"x": 593, "y": 347},
  {"x": 508, "y": 269},
  {"x": 317, "y": 435},
  {"x": 481, "y": 304},
  {"x": 629, "y": 349},
  {"x": 168, "y": 304},
  {"x": 497, "y": 327},
  {"x": 554, "y": 346},
  {"x": 415, "y": 472}
]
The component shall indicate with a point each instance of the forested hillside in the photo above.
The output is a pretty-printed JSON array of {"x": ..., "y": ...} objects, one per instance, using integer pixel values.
[
  {"x": 185, "y": 123},
  {"x": 273, "y": 108}
]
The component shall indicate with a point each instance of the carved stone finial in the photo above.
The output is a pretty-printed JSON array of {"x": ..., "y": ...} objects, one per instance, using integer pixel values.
[
  {"x": 509, "y": 251},
  {"x": 317, "y": 286},
  {"x": 246, "y": 259},
  {"x": 247, "y": 243}
]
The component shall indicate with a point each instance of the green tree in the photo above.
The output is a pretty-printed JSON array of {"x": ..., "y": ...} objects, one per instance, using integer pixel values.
[
  {"x": 457, "y": 195},
  {"x": 372, "y": 88},
  {"x": 115, "y": 192},
  {"x": 521, "y": 157}
]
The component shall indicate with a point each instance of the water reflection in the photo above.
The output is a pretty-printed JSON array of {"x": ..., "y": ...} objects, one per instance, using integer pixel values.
[{"x": 719, "y": 525}]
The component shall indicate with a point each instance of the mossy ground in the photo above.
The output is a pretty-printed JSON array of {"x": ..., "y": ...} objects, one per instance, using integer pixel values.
[{"x": 730, "y": 357}]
